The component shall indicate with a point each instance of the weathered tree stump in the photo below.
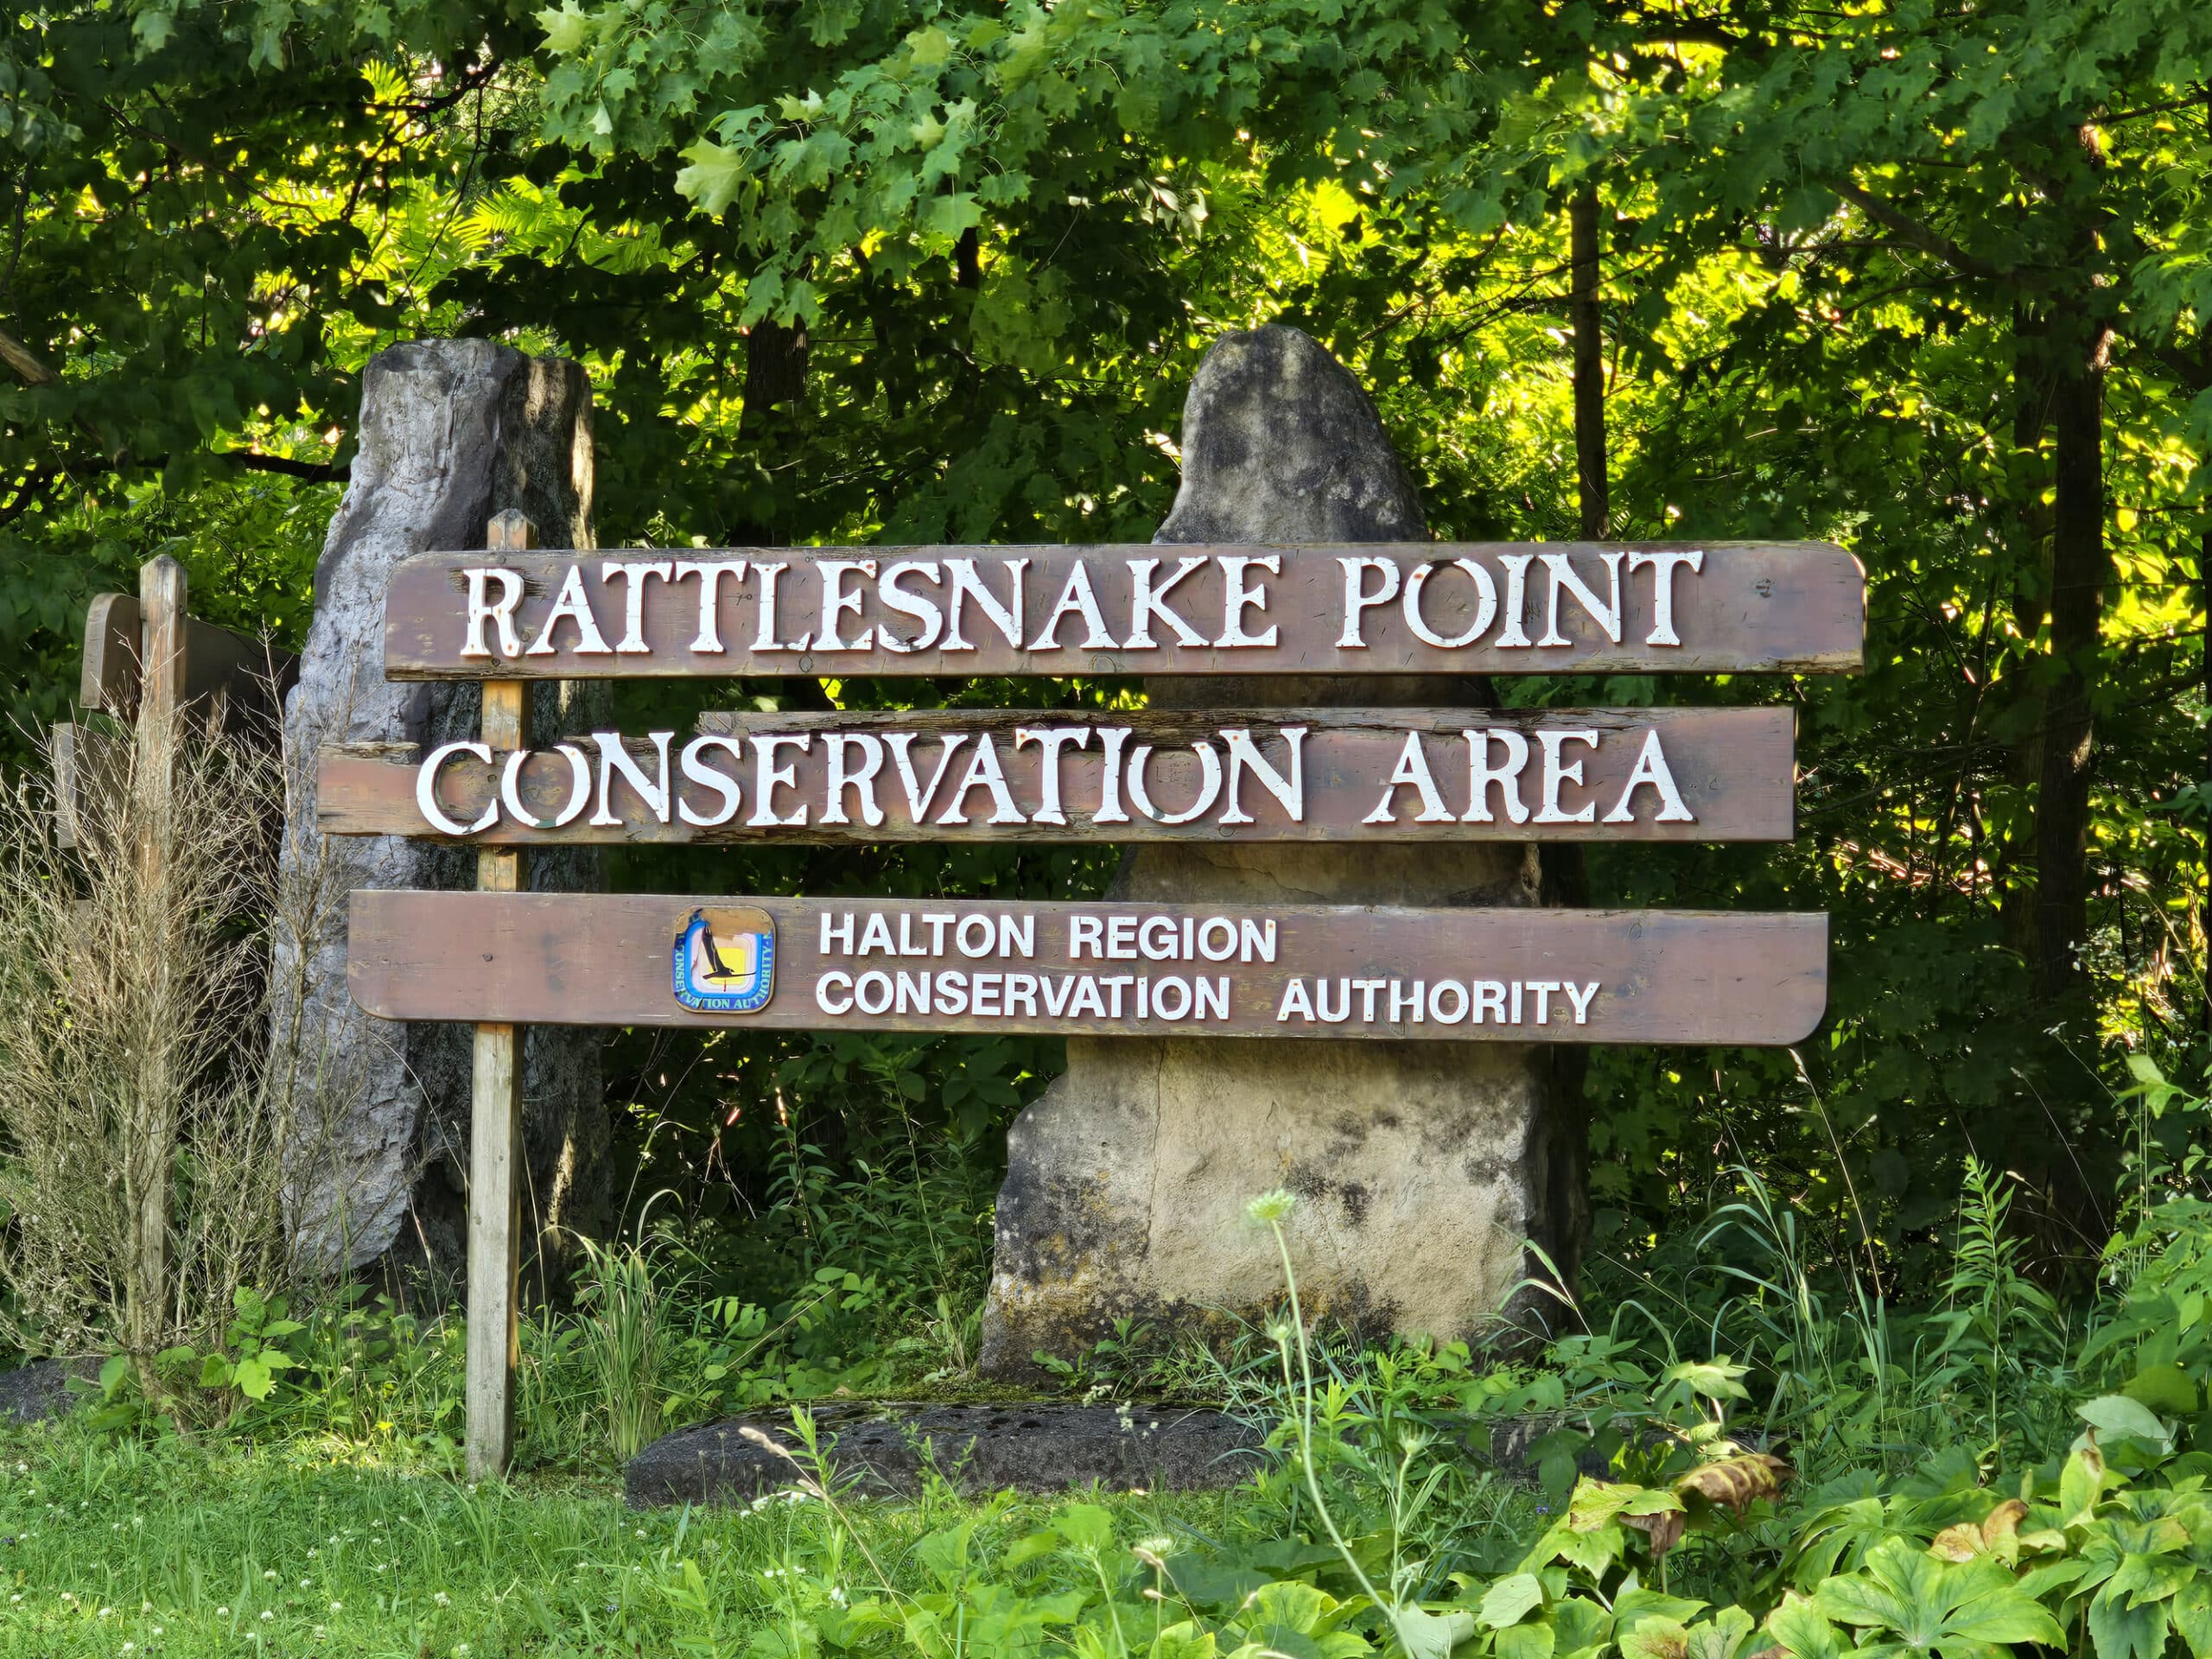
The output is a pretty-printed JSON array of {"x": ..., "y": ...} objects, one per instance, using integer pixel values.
[
  {"x": 1422, "y": 1167},
  {"x": 451, "y": 433}
]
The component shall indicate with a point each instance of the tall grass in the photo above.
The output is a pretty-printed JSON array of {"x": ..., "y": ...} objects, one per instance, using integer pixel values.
[
  {"x": 147, "y": 1105},
  {"x": 623, "y": 1341}
]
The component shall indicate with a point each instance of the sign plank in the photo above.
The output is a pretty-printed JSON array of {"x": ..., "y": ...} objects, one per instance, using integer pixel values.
[
  {"x": 1425, "y": 607},
  {"x": 932, "y": 966},
  {"x": 1058, "y": 775},
  {"x": 251, "y": 675}
]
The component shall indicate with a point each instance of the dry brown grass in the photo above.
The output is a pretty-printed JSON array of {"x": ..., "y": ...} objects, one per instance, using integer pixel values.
[{"x": 147, "y": 1100}]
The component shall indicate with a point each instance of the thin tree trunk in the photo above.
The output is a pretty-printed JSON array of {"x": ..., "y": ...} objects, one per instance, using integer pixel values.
[
  {"x": 2011, "y": 856},
  {"x": 775, "y": 384},
  {"x": 2204, "y": 598},
  {"x": 1567, "y": 873},
  {"x": 775, "y": 374},
  {"x": 1589, "y": 365},
  {"x": 2080, "y": 567}
]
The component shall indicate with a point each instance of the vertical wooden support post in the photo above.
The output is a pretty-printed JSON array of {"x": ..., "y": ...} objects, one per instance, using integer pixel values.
[
  {"x": 160, "y": 654},
  {"x": 495, "y": 1126},
  {"x": 146, "y": 1191}
]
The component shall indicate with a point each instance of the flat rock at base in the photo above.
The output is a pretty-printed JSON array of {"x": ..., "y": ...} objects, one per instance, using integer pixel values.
[
  {"x": 39, "y": 1391},
  {"x": 1032, "y": 1448}
]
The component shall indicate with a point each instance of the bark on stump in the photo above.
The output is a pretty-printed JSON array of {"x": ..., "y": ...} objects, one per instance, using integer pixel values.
[
  {"x": 451, "y": 433},
  {"x": 1422, "y": 1167}
]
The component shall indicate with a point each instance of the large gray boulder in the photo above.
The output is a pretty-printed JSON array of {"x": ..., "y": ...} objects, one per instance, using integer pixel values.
[
  {"x": 451, "y": 433},
  {"x": 1421, "y": 1167}
]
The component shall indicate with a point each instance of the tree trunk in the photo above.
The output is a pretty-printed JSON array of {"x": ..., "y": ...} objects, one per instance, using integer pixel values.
[
  {"x": 1589, "y": 366},
  {"x": 775, "y": 374},
  {"x": 775, "y": 384},
  {"x": 2011, "y": 859},
  {"x": 2080, "y": 567},
  {"x": 2204, "y": 598}
]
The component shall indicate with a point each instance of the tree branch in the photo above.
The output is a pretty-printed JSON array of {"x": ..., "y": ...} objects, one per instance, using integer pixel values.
[
  {"x": 1924, "y": 237},
  {"x": 30, "y": 367}
]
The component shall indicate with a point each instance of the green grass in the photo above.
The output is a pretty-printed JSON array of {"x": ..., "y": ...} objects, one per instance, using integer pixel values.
[{"x": 181, "y": 1547}]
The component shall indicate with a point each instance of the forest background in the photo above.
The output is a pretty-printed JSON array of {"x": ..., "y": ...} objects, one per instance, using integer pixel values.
[{"x": 1931, "y": 281}]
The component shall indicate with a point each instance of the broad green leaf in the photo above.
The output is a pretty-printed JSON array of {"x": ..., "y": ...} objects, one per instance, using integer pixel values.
[
  {"x": 2115, "y": 1415},
  {"x": 1799, "y": 1629},
  {"x": 714, "y": 177},
  {"x": 2192, "y": 1614},
  {"x": 1534, "y": 1640},
  {"x": 1511, "y": 1599},
  {"x": 2120, "y": 1632},
  {"x": 1085, "y": 1526},
  {"x": 567, "y": 27},
  {"x": 2167, "y": 1390}
]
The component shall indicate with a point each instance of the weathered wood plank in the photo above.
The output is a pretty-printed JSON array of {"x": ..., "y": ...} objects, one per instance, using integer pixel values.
[
  {"x": 1422, "y": 608},
  {"x": 1637, "y": 977},
  {"x": 91, "y": 768},
  {"x": 1730, "y": 771},
  {"x": 249, "y": 675},
  {"x": 494, "y": 1351}
]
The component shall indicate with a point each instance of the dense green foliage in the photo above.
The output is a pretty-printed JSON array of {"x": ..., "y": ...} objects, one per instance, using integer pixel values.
[
  {"x": 1934, "y": 283},
  {"x": 1986, "y": 1474},
  {"x": 1931, "y": 282}
]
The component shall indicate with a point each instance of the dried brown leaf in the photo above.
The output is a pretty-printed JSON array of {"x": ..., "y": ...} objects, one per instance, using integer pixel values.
[
  {"x": 2004, "y": 1521},
  {"x": 1664, "y": 1529},
  {"x": 1959, "y": 1543},
  {"x": 1735, "y": 1483}
]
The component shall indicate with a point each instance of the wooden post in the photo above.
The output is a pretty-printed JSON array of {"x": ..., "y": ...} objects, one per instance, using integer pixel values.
[
  {"x": 161, "y": 652},
  {"x": 162, "y": 660},
  {"x": 495, "y": 1126}
]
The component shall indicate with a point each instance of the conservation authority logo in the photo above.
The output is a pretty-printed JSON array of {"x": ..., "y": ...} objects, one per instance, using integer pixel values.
[{"x": 725, "y": 961}]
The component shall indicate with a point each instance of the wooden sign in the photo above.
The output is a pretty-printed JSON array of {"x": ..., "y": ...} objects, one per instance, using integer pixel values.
[
  {"x": 1563, "y": 608},
  {"x": 250, "y": 675},
  {"x": 931, "y": 966},
  {"x": 1316, "y": 774}
]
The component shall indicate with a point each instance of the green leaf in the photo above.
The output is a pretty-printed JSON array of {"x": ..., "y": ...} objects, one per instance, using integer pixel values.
[
  {"x": 2119, "y": 1633},
  {"x": 1085, "y": 1527},
  {"x": 567, "y": 27},
  {"x": 1433, "y": 1636},
  {"x": 1532, "y": 1641},
  {"x": 2145, "y": 1577},
  {"x": 1509, "y": 1600},
  {"x": 253, "y": 1377},
  {"x": 2167, "y": 1390},
  {"x": 714, "y": 177},
  {"x": 2116, "y": 1415},
  {"x": 1714, "y": 1379},
  {"x": 2081, "y": 1483},
  {"x": 1798, "y": 1628},
  {"x": 2192, "y": 1614}
]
